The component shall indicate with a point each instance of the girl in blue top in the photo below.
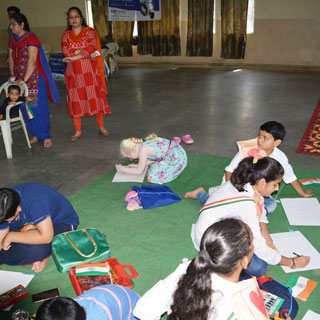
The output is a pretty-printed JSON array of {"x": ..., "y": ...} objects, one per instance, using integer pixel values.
[
  {"x": 167, "y": 159},
  {"x": 39, "y": 211}
]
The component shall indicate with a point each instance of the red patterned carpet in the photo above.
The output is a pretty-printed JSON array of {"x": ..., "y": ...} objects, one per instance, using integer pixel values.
[{"x": 310, "y": 143}]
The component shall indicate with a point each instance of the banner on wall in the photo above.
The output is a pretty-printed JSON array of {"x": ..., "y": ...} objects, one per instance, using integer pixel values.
[{"x": 131, "y": 10}]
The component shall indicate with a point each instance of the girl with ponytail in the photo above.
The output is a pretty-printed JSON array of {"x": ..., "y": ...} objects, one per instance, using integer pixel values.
[
  {"x": 242, "y": 197},
  {"x": 167, "y": 159},
  {"x": 205, "y": 288}
]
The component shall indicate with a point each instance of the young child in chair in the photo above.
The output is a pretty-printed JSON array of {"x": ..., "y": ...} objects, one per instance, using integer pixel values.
[
  {"x": 271, "y": 135},
  {"x": 13, "y": 98}
]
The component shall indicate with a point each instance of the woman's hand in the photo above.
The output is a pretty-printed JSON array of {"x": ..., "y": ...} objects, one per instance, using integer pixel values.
[
  {"x": 68, "y": 59},
  {"x": 77, "y": 52},
  {"x": 12, "y": 79},
  {"x": 20, "y": 82},
  {"x": 301, "y": 261},
  {"x": 119, "y": 167}
]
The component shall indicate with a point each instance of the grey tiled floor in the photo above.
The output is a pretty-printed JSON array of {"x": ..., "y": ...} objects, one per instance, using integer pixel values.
[{"x": 215, "y": 105}]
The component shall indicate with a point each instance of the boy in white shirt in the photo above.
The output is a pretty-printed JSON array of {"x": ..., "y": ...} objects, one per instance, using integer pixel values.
[{"x": 270, "y": 137}]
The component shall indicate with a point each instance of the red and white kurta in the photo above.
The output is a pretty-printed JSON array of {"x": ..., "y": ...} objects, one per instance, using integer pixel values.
[{"x": 86, "y": 95}]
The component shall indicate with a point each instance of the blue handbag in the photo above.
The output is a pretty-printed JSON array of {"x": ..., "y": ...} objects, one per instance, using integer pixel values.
[{"x": 155, "y": 196}]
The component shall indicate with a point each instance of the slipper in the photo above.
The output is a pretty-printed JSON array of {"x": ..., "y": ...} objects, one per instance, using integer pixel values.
[
  {"x": 129, "y": 195},
  {"x": 133, "y": 204},
  {"x": 176, "y": 139},
  {"x": 187, "y": 139}
]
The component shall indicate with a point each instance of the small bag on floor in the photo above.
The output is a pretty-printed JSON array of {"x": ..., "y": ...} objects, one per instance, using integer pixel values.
[{"x": 76, "y": 247}]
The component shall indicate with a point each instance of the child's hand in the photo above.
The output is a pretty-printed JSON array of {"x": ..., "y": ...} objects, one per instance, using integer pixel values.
[
  {"x": 6, "y": 242},
  {"x": 133, "y": 165},
  {"x": 286, "y": 315},
  {"x": 270, "y": 244},
  {"x": 307, "y": 193},
  {"x": 118, "y": 167},
  {"x": 28, "y": 99},
  {"x": 301, "y": 261}
]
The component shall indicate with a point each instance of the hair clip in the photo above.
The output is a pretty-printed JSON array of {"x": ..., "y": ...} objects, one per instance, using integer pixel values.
[{"x": 255, "y": 159}]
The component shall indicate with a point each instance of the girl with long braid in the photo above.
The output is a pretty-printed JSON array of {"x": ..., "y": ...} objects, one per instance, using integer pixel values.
[
  {"x": 166, "y": 159},
  {"x": 207, "y": 288}
]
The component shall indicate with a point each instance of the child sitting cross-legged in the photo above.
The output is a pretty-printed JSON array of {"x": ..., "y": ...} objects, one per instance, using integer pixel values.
[{"x": 13, "y": 98}]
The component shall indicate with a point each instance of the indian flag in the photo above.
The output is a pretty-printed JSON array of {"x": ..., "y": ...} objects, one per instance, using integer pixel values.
[
  {"x": 306, "y": 182},
  {"x": 93, "y": 269},
  {"x": 301, "y": 287}
]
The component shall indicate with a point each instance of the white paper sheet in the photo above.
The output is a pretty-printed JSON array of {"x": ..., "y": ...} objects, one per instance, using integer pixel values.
[
  {"x": 10, "y": 279},
  {"x": 310, "y": 315},
  {"x": 302, "y": 211},
  {"x": 290, "y": 242},
  {"x": 129, "y": 177}
]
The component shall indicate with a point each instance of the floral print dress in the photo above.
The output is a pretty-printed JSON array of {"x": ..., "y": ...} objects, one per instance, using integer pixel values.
[{"x": 169, "y": 158}]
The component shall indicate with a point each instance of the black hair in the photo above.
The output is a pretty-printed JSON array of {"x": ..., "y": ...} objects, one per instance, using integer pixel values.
[
  {"x": 19, "y": 18},
  {"x": 60, "y": 308},
  {"x": 248, "y": 172},
  {"x": 83, "y": 20},
  {"x": 14, "y": 87},
  {"x": 9, "y": 202},
  {"x": 13, "y": 8},
  {"x": 224, "y": 244},
  {"x": 276, "y": 129}
]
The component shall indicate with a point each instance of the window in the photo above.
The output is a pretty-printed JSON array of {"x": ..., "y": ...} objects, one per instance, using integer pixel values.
[
  {"x": 89, "y": 14},
  {"x": 250, "y": 17}
]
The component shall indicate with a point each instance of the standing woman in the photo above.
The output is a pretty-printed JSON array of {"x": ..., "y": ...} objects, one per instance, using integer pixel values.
[
  {"x": 84, "y": 76},
  {"x": 28, "y": 64}
]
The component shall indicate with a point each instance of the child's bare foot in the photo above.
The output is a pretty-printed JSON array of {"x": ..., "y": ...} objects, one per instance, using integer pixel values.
[
  {"x": 193, "y": 194},
  {"x": 38, "y": 266}
]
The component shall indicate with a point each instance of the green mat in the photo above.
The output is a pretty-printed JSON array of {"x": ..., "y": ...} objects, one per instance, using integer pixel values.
[{"x": 154, "y": 241}]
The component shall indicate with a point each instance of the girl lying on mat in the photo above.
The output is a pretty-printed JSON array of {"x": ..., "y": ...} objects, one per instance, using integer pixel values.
[
  {"x": 208, "y": 287},
  {"x": 242, "y": 197},
  {"x": 103, "y": 302},
  {"x": 41, "y": 213},
  {"x": 167, "y": 159}
]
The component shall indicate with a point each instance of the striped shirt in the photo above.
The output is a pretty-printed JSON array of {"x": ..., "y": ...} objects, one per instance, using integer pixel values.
[{"x": 110, "y": 302}]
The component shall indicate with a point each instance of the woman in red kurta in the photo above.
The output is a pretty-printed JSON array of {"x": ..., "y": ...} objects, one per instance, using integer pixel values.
[{"x": 84, "y": 78}]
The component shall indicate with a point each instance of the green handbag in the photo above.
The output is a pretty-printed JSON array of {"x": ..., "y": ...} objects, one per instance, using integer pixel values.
[{"x": 76, "y": 247}]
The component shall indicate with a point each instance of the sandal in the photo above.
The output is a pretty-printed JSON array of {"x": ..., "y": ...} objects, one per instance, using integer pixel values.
[
  {"x": 76, "y": 136},
  {"x": 134, "y": 204},
  {"x": 47, "y": 143},
  {"x": 176, "y": 139},
  {"x": 104, "y": 132},
  {"x": 33, "y": 140},
  {"x": 187, "y": 139}
]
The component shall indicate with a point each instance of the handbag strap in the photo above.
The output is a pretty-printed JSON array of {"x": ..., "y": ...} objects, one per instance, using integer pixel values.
[{"x": 77, "y": 249}]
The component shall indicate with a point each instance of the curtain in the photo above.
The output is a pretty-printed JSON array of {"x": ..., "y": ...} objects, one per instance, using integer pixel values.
[
  {"x": 102, "y": 26},
  {"x": 123, "y": 31},
  {"x": 161, "y": 37},
  {"x": 233, "y": 28},
  {"x": 200, "y": 28}
]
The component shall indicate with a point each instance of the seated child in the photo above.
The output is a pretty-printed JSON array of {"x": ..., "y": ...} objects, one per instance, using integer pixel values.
[
  {"x": 103, "y": 302},
  {"x": 13, "y": 98},
  {"x": 41, "y": 213},
  {"x": 270, "y": 137},
  {"x": 242, "y": 197},
  {"x": 167, "y": 159}
]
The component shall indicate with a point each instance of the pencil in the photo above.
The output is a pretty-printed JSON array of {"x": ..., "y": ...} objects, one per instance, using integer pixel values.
[{"x": 274, "y": 317}]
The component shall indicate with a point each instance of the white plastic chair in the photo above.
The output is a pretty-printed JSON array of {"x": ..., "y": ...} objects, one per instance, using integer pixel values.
[
  {"x": 6, "y": 124},
  {"x": 113, "y": 49},
  {"x": 46, "y": 48}
]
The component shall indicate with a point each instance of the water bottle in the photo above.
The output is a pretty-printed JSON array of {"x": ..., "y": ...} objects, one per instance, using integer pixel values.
[{"x": 20, "y": 314}]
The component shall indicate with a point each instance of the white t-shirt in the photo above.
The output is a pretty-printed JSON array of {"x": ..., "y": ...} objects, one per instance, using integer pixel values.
[
  {"x": 157, "y": 301},
  {"x": 244, "y": 210},
  {"x": 276, "y": 154}
]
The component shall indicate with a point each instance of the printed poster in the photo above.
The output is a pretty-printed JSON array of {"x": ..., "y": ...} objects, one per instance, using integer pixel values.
[{"x": 134, "y": 10}]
